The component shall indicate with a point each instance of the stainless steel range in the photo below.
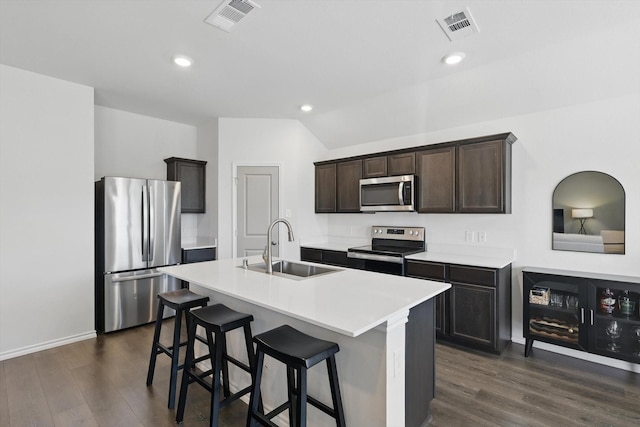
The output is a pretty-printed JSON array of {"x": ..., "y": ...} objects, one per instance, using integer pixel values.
[{"x": 389, "y": 246}]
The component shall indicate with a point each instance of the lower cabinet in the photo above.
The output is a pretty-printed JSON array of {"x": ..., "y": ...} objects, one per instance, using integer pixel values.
[
  {"x": 594, "y": 313},
  {"x": 324, "y": 256},
  {"x": 476, "y": 311}
]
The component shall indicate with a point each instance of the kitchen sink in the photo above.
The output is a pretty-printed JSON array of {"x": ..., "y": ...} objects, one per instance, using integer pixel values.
[{"x": 293, "y": 270}]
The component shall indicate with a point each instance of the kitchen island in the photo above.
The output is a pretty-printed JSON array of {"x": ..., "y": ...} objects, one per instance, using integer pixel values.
[{"x": 383, "y": 325}]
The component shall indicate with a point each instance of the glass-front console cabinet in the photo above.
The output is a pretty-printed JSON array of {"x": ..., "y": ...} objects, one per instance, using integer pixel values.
[{"x": 591, "y": 312}]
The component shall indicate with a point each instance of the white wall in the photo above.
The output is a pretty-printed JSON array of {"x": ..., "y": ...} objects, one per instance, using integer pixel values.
[
  {"x": 284, "y": 142},
  {"x": 208, "y": 151},
  {"x": 602, "y": 136},
  {"x": 133, "y": 145},
  {"x": 46, "y": 212}
]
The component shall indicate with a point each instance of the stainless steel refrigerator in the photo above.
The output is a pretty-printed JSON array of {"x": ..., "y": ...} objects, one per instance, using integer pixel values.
[{"x": 137, "y": 230}]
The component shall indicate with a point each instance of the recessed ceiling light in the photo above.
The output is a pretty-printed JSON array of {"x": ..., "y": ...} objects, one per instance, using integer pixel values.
[
  {"x": 453, "y": 58},
  {"x": 306, "y": 108},
  {"x": 182, "y": 61}
]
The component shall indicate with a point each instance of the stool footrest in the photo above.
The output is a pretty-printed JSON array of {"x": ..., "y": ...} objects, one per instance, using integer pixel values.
[
  {"x": 238, "y": 363},
  {"x": 324, "y": 408}
]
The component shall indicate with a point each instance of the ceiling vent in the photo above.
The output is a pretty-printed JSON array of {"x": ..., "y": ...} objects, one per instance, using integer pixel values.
[
  {"x": 459, "y": 25},
  {"x": 229, "y": 13}
]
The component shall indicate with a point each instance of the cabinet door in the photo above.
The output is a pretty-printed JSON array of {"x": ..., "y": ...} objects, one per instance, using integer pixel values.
[
  {"x": 402, "y": 164},
  {"x": 436, "y": 178},
  {"x": 555, "y": 310},
  {"x": 481, "y": 177},
  {"x": 473, "y": 311},
  {"x": 433, "y": 271},
  {"x": 375, "y": 167},
  {"x": 614, "y": 326},
  {"x": 326, "y": 188},
  {"x": 348, "y": 175},
  {"x": 191, "y": 173}
]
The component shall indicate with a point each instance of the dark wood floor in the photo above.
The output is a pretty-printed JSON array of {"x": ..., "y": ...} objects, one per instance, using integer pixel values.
[{"x": 101, "y": 382}]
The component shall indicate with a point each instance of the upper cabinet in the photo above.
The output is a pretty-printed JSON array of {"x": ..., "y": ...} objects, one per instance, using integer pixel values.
[
  {"x": 191, "y": 173},
  {"x": 466, "y": 176},
  {"x": 484, "y": 177},
  {"x": 348, "y": 175},
  {"x": 402, "y": 164},
  {"x": 375, "y": 167},
  {"x": 436, "y": 173},
  {"x": 326, "y": 188}
]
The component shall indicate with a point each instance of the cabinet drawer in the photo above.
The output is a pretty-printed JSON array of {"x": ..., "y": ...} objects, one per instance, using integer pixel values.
[
  {"x": 198, "y": 255},
  {"x": 427, "y": 270},
  {"x": 335, "y": 258},
  {"x": 311, "y": 255},
  {"x": 474, "y": 275}
]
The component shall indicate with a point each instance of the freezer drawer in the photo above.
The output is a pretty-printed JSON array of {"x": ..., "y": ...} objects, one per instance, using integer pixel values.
[{"x": 130, "y": 298}]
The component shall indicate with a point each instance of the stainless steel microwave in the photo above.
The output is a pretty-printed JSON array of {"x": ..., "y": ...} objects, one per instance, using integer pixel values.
[{"x": 389, "y": 194}]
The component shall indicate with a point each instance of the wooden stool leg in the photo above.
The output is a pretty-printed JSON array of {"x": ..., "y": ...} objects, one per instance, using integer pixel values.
[
  {"x": 186, "y": 370},
  {"x": 291, "y": 394},
  {"x": 255, "y": 392},
  {"x": 301, "y": 404},
  {"x": 215, "y": 351},
  {"x": 175, "y": 356},
  {"x": 225, "y": 365},
  {"x": 154, "y": 347},
  {"x": 335, "y": 391}
]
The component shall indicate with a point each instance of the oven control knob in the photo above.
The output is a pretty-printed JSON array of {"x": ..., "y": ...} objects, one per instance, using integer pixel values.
[{"x": 410, "y": 232}]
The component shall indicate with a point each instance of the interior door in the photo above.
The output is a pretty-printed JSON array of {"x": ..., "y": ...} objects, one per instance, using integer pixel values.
[{"x": 257, "y": 206}]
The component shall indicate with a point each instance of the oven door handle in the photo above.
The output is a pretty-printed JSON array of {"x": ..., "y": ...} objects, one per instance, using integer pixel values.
[{"x": 374, "y": 257}]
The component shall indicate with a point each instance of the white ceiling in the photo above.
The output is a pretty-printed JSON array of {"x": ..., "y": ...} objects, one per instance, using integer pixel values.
[{"x": 372, "y": 69}]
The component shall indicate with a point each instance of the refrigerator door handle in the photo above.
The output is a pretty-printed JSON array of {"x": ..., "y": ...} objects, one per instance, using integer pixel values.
[
  {"x": 145, "y": 223},
  {"x": 138, "y": 277},
  {"x": 152, "y": 224}
]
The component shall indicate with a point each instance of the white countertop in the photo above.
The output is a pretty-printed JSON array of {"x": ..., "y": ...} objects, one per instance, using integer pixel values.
[
  {"x": 349, "y": 301},
  {"x": 201, "y": 243},
  {"x": 473, "y": 255}
]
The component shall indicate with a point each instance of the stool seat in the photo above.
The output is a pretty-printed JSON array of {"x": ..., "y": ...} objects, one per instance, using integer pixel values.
[
  {"x": 182, "y": 299},
  {"x": 293, "y": 347},
  {"x": 221, "y": 318}
]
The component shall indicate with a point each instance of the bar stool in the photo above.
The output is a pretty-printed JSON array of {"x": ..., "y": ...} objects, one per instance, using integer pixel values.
[
  {"x": 182, "y": 301},
  {"x": 217, "y": 320},
  {"x": 299, "y": 352}
]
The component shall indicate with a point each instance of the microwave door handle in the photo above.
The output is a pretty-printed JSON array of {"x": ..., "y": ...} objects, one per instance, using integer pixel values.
[{"x": 400, "y": 198}]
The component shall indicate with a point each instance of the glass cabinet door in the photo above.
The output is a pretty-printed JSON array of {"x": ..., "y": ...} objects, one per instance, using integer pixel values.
[
  {"x": 614, "y": 317},
  {"x": 555, "y": 310}
]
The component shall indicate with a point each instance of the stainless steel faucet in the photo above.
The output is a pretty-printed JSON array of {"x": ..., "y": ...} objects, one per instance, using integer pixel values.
[{"x": 267, "y": 250}]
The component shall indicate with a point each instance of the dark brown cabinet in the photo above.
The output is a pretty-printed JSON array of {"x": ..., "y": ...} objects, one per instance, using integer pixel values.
[
  {"x": 465, "y": 176},
  {"x": 326, "y": 188},
  {"x": 191, "y": 173},
  {"x": 476, "y": 311},
  {"x": 348, "y": 175},
  {"x": 324, "y": 256},
  {"x": 484, "y": 177},
  {"x": 402, "y": 164},
  {"x": 436, "y": 173},
  {"x": 374, "y": 167}
]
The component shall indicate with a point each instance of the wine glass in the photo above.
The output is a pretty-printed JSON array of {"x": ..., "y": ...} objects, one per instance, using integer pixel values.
[
  {"x": 636, "y": 334},
  {"x": 614, "y": 330}
]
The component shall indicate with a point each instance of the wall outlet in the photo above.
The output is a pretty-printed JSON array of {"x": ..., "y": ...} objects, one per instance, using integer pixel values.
[
  {"x": 482, "y": 236},
  {"x": 470, "y": 236}
]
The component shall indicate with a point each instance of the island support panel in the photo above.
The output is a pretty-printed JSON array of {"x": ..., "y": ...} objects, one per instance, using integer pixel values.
[{"x": 386, "y": 374}]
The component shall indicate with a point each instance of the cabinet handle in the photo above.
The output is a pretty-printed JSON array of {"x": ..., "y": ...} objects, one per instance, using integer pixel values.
[
  {"x": 591, "y": 317},
  {"x": 581, "y": 314}
]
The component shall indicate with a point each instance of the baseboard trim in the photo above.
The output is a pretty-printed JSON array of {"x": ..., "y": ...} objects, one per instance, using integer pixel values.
[{"x": 46, "y": 345}]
